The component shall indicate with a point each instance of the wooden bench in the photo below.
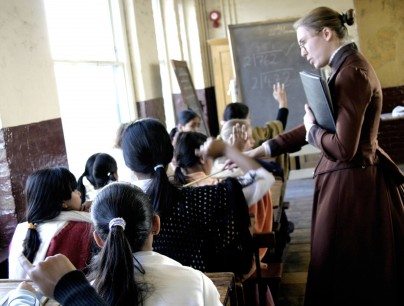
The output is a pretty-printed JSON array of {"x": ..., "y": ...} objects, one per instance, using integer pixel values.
[{"x": 224, "y": 282}]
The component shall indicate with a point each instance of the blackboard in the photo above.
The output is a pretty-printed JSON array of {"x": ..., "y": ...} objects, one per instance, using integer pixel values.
[
  {"x": 188, "y": 92},
  {"x": 265, "y": 53}
]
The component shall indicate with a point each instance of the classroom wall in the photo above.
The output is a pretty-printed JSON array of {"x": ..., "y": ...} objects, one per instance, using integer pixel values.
[
  {"x": 381, "y": 33},
  {"x": 31, "y": 134},
  {"x": 243, "y": 11},
  {"x": 26, "y": 78}
]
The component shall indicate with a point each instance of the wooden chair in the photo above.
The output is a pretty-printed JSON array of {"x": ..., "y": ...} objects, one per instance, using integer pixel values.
[{"x": 262, "y": 279}]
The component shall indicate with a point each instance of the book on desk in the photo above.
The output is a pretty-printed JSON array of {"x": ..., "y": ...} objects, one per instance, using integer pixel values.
[{"x": 319, "y": 99}]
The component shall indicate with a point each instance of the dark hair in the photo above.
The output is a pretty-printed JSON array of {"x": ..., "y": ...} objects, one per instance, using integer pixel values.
[
  {"x": 99, "y": 171},
  {"x": 113, "y": 268},
  {"x": 184, "y": 152},
  {"x": 45, "y": 192},
  {"x": 236, "y": 110},
  {"x": 186, "y": 116},
  {"x": 147, "y": 149},
  {"x": 173, "y": 133},
  {"x": 321, "y": 17}
]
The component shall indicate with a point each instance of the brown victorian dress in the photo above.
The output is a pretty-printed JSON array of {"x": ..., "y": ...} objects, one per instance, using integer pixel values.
[{"x": 357, "y": 237}]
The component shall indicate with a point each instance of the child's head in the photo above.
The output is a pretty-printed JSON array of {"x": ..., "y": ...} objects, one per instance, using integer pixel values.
[
  {"x": 146, "y": 145},
  {"x": 184, "y": 153},
  {"x": 235, "y": 110},
  {"x": 147, "y": 150},
  {"x": 188, "y": 121},
  {"x": 124, "y": 223},
  {"x": 105, "y": 170},
  {"x": 227, "y": 131},
  {"x": 48, "y": 191},
  {"x": 123, "y": 200},
  {"x": 100, "y": 169}
]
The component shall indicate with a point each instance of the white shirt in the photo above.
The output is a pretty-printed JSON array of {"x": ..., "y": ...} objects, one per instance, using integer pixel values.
[
  {"x": 173, "y": 283},
  {"x": 19, "y": 297},
  {"x": 47, "y": 231}
]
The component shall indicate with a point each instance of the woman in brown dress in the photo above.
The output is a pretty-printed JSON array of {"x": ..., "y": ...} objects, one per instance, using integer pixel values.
[{"x": 357, "y": 239}]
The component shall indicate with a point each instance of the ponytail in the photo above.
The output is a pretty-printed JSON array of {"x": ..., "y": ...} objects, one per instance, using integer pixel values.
[
  {"x": 123, "y": 217},
  {"x": 161, "y": 192},
  {"x": 146, "y": 145},
  {"x": 115, "y": 281},
  {"x": 45, "y": 191},
  {"x": 81, "y": 188},
  {"x": 31, "y": 243},
  {"x": 179, "y": 176}
]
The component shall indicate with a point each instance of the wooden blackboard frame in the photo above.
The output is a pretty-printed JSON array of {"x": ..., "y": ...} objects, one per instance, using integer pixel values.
[
  {"x": 264, "y": 53},
  {"x": 188, "y": 92}
]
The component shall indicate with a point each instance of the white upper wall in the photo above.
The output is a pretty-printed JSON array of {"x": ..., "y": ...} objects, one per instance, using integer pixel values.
[
  {"x": 244, "y": 11},
  {"x": 27, "y": 81}
]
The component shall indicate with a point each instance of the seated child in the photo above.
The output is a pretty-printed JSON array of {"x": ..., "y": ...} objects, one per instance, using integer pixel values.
[
  {"x": 55, "y": 221},
  {"x": 100, "y": 170}
]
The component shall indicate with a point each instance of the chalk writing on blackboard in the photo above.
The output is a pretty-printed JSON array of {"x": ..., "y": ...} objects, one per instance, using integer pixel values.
[{"x": 265, "y": 53}]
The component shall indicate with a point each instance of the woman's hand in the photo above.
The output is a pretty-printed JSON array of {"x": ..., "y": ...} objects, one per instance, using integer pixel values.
[
  {"x": 46, "y": 274},
  {"x": 308, "y": 119}
]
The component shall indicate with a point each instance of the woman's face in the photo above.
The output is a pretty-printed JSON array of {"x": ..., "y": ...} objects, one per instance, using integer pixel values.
[
  {"x": 314, "y": 46},
  {"x": 191, "y": 126}
]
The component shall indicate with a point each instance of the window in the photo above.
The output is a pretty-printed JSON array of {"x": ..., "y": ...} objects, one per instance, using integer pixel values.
[{"x": 92, "y": 73}]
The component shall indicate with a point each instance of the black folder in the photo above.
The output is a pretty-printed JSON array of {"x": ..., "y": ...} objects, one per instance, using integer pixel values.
[{"x": 319, "y": 99}]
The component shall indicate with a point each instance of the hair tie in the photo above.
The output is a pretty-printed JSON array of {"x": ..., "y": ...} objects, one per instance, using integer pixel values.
[
  {"x": 31, "y": 226},
  {"x": 117, "y": 222},
  {"x": 158, "y": 166},
  {"x": 343, "y": 18}
]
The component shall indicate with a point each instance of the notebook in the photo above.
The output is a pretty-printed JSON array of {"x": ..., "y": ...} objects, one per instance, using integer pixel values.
[{"x": 319, "y": 99}]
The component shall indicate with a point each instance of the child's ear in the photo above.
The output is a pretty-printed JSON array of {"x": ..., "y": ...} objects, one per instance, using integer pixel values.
[
  {"x": 156, "y": 225},
  {"x": 98, "y": 240}
]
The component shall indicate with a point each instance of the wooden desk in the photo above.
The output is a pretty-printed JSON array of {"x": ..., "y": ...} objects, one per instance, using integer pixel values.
[
  {"x": 226, "y": 285},
  {"x": 224, "y": 281},
  {"x": 391, "y": 137},
  {"x": 6, "y": 285}
]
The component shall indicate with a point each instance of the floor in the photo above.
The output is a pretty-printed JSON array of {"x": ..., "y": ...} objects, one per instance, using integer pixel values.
[{"x": 299, "y": 194}]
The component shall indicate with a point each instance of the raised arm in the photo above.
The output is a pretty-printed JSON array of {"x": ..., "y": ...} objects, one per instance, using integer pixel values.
[
  {"x": 256, "y": 181},
  {"x": 217, "y": 148},
  {"x": 279, "y": 95}
]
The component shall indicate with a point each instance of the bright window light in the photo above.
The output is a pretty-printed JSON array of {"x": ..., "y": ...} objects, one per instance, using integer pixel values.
[{"x": 92, "y": 76}]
